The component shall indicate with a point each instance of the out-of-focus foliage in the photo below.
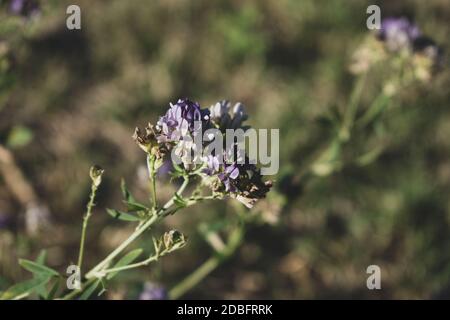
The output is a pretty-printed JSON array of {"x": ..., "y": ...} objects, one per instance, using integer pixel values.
[{"x": 69, "y": 99}]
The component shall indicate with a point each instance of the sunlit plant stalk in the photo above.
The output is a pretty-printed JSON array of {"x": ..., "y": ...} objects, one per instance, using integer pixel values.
[
  {"x": 139, "y": 230},
  {"x": 352, "y": 108},
  {"x": 219, "y": 256},
  {"x": 152, "y": 176},
  {"x": 96, "y": 177}
]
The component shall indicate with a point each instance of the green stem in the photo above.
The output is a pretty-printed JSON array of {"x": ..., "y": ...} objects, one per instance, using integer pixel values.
[
  {"x": 152, "y": 176},
  {"x": 327, "y": 159},
  {"x": 374, "y": 110},
  {"x": 131, "y": 266},
  {"x": 136, "y": 233},
  {"x": 209, "y": 265},
  {"x": 91, "y": 276},
  {"x": 86, "y": 217},
  {"x": 179, "y": 192},
  {"x": 195, "y": 278},
  {"x": 122, "y": 246},
  {"x": 352, "y": 107},
  {"x": 145, "y": 262}
]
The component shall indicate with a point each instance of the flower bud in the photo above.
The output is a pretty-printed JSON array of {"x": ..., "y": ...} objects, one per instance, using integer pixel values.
[
  {"x": 96, "y": 175},
  {"x": 174, "y": 240},
  {"x": 146, "y": 140}
]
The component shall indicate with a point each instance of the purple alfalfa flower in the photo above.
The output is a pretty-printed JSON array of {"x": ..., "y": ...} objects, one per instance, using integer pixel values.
[
  {"x": 225, "y": 117},
  {"x": 172, "y": 126},
  {"x": 232, "y": 171},
  {"x": 229, "y": 176},
  {"x": 192, "y": 112},
  {"x": 220, "y": 114},
  {"x": 153, "y": 291},
  {"x": 26, "y": 8},
  {"x": 398, "y": 33},
  {"x": 180, "y": 121},
  {"x": 239, "y": 116},
  {"x": 212, "y": 164}
]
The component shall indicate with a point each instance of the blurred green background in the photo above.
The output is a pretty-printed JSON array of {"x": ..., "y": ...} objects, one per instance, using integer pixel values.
[{"x": 70, "y": 99}]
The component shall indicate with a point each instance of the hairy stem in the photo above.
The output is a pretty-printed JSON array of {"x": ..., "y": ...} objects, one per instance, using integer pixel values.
[{"x": 86, "y": 217}]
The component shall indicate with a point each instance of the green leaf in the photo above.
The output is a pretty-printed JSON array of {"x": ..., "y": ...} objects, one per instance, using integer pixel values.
[
  {"x": 90, "y": 290},
  {"x": 136, "y": 206},
  {"x": 41, "y": 290},
  {"x": 41, "y": 257},
  {"x": 130, "y": 201},
  {"x": 116, "y": 214},
  {"x": 176, "y": 174},
  {"x": 125, "y": 260},
  {"x": 125, "y": 192},
  {"x": 37, "y": 268},
  {"x": 23, "y": 289},
  {"x": 54, "y": 289}
]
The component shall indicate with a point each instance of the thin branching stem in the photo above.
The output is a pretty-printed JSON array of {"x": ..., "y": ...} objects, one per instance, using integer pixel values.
[
  {"x": 86, "y": 217},
  {"x": 351, "y": 109},
  {"x": 143, "y": 263},
  {"x": 138, "y": 231},
  {"x": 375, "y": 109}
]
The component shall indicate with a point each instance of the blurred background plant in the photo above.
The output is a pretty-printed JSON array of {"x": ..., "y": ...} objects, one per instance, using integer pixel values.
[{"x": 378, "y": 195}]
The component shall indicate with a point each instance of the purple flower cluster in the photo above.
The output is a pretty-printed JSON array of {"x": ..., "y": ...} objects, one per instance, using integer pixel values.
[
  {"x": 401, "y": 34},
  {"x": 180, "y": 120},
  {"x": 225, "y": 117},
  {"x": 398, "y": 33},
  {"x": 243, "y": 182},
  {"x": 25, "y": 8},
  {"x": 234, "y": 174},
  {"x": 229, "y": 173}
]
